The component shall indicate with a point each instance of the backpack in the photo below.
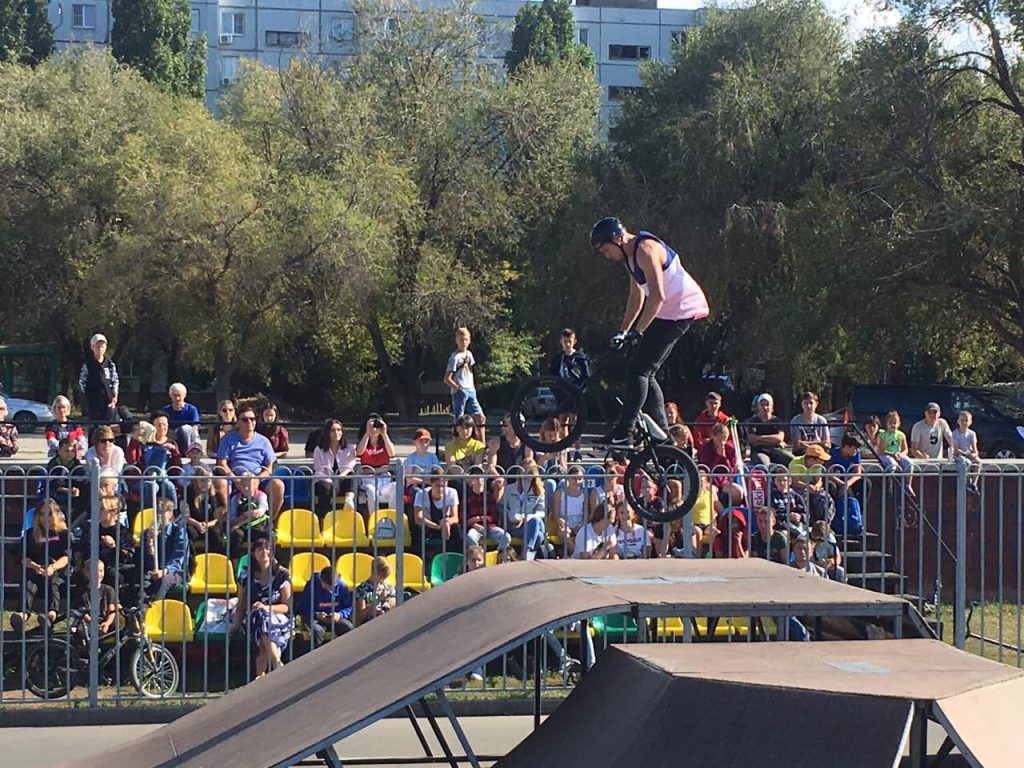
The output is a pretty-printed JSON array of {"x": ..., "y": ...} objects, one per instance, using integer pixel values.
[
  {"x": 849, "y": 521},
  {"x": 821, "y": 507}
]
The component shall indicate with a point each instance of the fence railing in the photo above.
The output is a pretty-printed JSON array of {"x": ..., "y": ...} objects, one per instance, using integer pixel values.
[{"x": 187, "y": 583}]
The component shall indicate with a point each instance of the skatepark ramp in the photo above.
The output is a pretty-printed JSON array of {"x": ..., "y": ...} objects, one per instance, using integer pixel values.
[{"x": 315, "y": 701}]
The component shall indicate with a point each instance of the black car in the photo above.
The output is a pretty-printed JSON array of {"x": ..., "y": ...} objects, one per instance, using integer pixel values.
[{"x": 998, "y": 417}]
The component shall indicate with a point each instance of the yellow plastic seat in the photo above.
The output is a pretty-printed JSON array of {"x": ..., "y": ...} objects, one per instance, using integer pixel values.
[
  {"x": 383, "y": 533},
  {"x": 491, "y": 557},
  {"x": 674, "y": 628},
  {"x": 413, "y": 576},
  {"x": 573, "y": 634},
  {"x": 345, "y": 528},
  {"x": 305, "y": 566},
  {"x": 142, "y": 521},
  {"x": 298, "y": 529},
  {"x": 355, "y": 568},
  {"x": 214, "y": 575},
  {"x": 169, "y": 621}
]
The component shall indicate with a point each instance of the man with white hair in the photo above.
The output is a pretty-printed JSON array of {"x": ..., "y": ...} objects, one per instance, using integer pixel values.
[
  {"x": 183, "y": 417},
  {"x": 98, "y": 383}
]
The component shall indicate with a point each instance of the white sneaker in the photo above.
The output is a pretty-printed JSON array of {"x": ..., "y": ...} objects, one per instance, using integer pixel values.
[
  {"x": 476, "y": 677},
  {"x": 350, "y": 501}
]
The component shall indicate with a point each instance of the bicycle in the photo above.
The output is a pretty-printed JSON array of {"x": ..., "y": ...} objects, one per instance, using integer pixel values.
[
  {"x": 661, "y": 481},
  {"x": 54, "y": 666}
]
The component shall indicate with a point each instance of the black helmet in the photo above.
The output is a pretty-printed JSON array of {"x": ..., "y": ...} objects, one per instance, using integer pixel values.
[{"x": 605, "y": 230}]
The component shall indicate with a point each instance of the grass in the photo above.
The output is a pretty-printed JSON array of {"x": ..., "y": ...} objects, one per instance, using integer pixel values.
[{"x": 995, "y": 631}]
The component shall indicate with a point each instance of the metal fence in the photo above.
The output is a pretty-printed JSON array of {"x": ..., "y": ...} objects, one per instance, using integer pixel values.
[{"x": 194, "y": 626}]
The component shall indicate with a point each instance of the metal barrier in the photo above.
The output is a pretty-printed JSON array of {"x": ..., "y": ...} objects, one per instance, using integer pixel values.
[{"x": 249, "y": 594}]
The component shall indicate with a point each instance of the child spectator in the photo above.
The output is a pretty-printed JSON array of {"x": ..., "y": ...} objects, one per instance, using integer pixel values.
[
  {"x": 63, "y": 427},
  {"x": 808, "y": 470},
  {"x": 264, "y": 594},
  {"x": 248, "y": 515},
  {"x": 790, "y": 510},
  {"x": 572, "y": 365},
  {"x": 205, "y": 520},
  {"x": 165, "y": 558},
  {"x": 44, "y": 564},
  {"x": 475, "y": 560},
  {"x": 706, "y": 419},
  {"x": 965, "y": 448},
  {"x": 326, "y": 606},
  {"x": 893, "y": 444},
  {"x": 117, "y": 547},
  {"x": 481, "y": 504},
  {"x": 8, "y": 433},
  {"x": 825, "y": 551},
  {"x": 705, "y": 510},
  {"x": 81, "y": 597},
  {"x": 334, "y": 462},
  {"x": 719, "y": 456},
  {"x": 194, "y": 454},
  {"x": 597, "y": 540},
  {"x": 459, "y": 378},
  {"x": 766, "y": 542},
  {"x": 846, "y": 474},
  {"x": 464, "y": 449},
  {"x": 872, "y": 428},
  {"x": 183, "y": 416},
  {"x": 802, "y": 558},
  {"x": 274, "y": 432},
  {"x": 682, "y": 438},
  {"x": 569, "y": 508},
  {"x": 375, "y": 451},
  {"x": 611, "y": 490},
  {"x": 375, "y": 596},
  {"x": 418, "y": 463},
  {"x": 729, "y": 534},
  {"x": 66, "y": 479},
  {"x": 809, "y": 427},
  {"x": 632, "y": 538}
]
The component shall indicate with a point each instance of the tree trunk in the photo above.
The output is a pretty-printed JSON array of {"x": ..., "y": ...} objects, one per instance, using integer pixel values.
[
  {"x": 223, "y": 369},
  {"x": 391, "y": 379}
]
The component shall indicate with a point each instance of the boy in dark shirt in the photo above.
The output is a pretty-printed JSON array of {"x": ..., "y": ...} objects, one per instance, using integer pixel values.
[
  {"x": 766, "y": 542},
  {"x": 66, "y": 481},
  {"x": 326, "y": 606},
  {"x": 81, "y": 597}
]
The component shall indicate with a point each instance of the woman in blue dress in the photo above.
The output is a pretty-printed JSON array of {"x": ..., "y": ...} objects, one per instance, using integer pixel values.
[{"x": 264, "y": 593}]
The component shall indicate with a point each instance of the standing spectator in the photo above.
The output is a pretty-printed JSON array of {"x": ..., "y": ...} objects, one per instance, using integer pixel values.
[
  {"x": 375, "y": 451},
  {"x": 706, "y": 419},
  {"x": 64, "y": 427},
  {"x": 375, "y": 596},
  {"x": 334, "y": 462},
  {"x": 929, "y": 434},
  {"x": 274, "y": 432},
  {"x": 965, "y": 448},
  {"x": 104, "y": 452},
  {"x": 183, "y": 416},
  {"x": 8, "y": 433},
  {"x": 326, "y": 606},
  {"x": 893, "y": 443},
  {"x": 98, "y": 383},
  {"x": 809, "y": 427},
  {"x": 165, "y": 557},
  {"x": 264, "y": 593},
  {"x": 249, "y": 452},
  {"x": 480, "y": 509},
  {"x": 765, "y": 434},
  {"x": 767, "y": 542},
  {"x": 44, "y": 564},
  {"x": 225, "y": 423},
  {"x": 597, "y": 539},
  {"x": 459, "y": 378},
  {"x": 464, "y": 449},
  {"x": 572, "y": 365},
  {"x": 507, "y": 450}
]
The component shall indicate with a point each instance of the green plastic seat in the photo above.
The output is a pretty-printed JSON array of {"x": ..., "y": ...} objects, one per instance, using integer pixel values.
[
  {"x": 445, "y": 566},
  {"x": 618, "y": 627}
]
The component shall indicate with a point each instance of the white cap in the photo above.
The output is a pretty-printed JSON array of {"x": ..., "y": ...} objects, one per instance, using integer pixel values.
[{"x": 96, "y": 338}]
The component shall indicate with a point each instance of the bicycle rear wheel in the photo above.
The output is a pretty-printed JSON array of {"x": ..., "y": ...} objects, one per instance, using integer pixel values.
[
  {"x": 50, "y": 669},
  {"x": 154, "y": 671},
  {"x": 661, "y": 483},
  {"x": 542, "y": 398}
]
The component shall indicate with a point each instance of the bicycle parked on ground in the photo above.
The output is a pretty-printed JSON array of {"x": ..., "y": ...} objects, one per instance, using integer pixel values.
[{"x": 661, "y": 481}]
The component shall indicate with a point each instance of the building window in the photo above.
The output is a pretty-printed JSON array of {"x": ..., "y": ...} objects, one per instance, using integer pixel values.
[
  {"x": 228, "y": 69},
  {"x": 342, "y": 29},
  {"x": 195, "y": 21},
  {"x": 286, "y": 39},
  {"x": 617, "y": 92},
  {"x": 584, "y": 35},
  {"x": 232, "y": 23},
  {"x": 83, "y": 16},
  {"x": 678, "y": 37},
  {"x": 629, "y": 52}
]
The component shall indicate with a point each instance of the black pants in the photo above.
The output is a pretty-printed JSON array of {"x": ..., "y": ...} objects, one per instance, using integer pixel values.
[
  {"x": 642, "y": 389},
  {"x": 320, "y": 629},
  {"x": 325, "y": 494}
]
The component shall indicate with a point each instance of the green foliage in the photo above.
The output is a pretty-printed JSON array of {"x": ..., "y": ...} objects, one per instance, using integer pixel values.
[
  {"x": 155, "y": 37},
  {"x": 544, "y": 34},
  {"x": 26, "y": 35}
]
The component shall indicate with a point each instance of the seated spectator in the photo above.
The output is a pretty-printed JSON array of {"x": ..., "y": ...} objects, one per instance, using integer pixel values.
[
  {"x": 375, "y": 596},
  {"x": 802, "y": 558},
  {"x": 719, "y": 456},
  {"x": 507, "y": 450},
  {"x": 226, "y": 420},
  {"x": 264, "y": 595},
  {"x": 825, "y": 551},
  {"x": 706, "y": 419},
  {"x": 788, "y": 505},
  {"x": 81, "y": 597},
  {"x": 206, "y": 520},
  {"x": 194, "y": 455},
  {"x": 44, "y": 565},
  {"x": 809, "y": 427},
  {"x": 475, "y": 559},
  {"x": 326, "y": 606},
  {"x": 808, "y": 470},
  {"x": 569, "y": 509},
  {"x": 63, "y": 427},
  {"x": 464, "y": 449},
  {"x": 894, "y": 451},
  {"x": 610, "y": 491},
  {"x": 554, "y": 462},
  {"x": 525, "y": 508},
  {"x": 165, "y": 557},
  {"x": 8, "y": 433},
  {"x": 104, "y": 452},
  {"x": 117, "y": 547},
  {"x": 766, "y": 541},
  {"x": 675, "y": 544},
  {"x": 872, "y": 430},
  {"x": 597, "y": 539},
  {"x": 681, "y": 437},
  {"x": 273, "y": 431},
  {"x": 930, "y": 434},
  {"x": 846, "y": 474},
  {"x": 766, "y": 437},
  {"x": 672, "y": 414},
  {"x": 246, "y": 450},
  {"x": 418, "y": 463},
  {"x": 705, "y": 510},
  {"x": 729, "y": 534},
  {"x": 183, "y": 417},
  {"x": 437, "y": 515},
  {"x": 160, "y": 453},
  {"x": 965, "y": 448},
  {"x": 66, "y": 483},
  {"x": 481, "y": 504},
  {"x": 334, "y": 463},
  {"x": 633, "y": 540},
  {"x": 248, "y": 516},
  {"x": 375, "y": 451}
]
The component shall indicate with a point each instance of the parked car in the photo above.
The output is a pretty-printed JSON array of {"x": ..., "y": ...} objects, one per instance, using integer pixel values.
[
  {"x": 998, "y": 417},
  {"x": 26, "y": 414},
  {"x": 540, "y": 404}
]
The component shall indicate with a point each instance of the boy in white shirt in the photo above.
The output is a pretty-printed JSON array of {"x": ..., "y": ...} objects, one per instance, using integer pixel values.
[
  {"x": 459, "y": 378},
  {"x": 965, "y": 448}
]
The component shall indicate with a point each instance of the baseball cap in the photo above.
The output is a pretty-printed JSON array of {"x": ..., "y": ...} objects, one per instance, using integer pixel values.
[
  {"x": 817, "y": 452},
  {"x": 932, "y": 407},
  {"x": 420, "y": 433},
  {"x": 764, "y": 396},
  {"x": 195, "y": 446},
  {"x": 96, "y": 338}
]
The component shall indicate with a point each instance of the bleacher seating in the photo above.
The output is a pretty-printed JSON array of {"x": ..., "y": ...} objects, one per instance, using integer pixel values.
[
  {"x": 445, "y": 566},
  {"x": 305, "y": 566},
  {"x": 169, "y": 621},
  {"x": 355, "y": 568},
  {"x": 381, "y": 533},
  {"x": 344, "y": 528},
  {"x": 298, "y": 529},
  {"x": 213, "y": 575},
  {"x": 142, "y": 521},
  {"x": 413, "y": 577}
]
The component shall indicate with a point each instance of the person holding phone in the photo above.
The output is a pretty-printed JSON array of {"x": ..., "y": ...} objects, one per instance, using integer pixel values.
[{"x": 596, "y": 540}]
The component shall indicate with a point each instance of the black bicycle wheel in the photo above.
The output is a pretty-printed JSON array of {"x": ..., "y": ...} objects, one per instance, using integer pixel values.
[
  {"x": 154, "y": 671},
  {"x": 661, "y": 483},
  {"x": 49, "y": 669},
  {"x": 542, "y": 398}
]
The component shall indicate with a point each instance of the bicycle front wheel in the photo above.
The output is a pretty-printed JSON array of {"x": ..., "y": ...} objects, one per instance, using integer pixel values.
[
  {"x": 50, "y": 669},
  {"x": 537, "y": 402},
  {"x": 154, "y": 671},
  {"x": 661, "y": 483}
]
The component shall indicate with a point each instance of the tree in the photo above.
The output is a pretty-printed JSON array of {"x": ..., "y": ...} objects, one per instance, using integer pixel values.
[
  {"x": 155, "y": 37},
  {"x": 544, "y": 33},
  {"x": 26, "y": 35}
]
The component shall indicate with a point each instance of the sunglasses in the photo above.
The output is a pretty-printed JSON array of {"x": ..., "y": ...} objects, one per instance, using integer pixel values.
[
  {"x": 247, "y": 418},
  {"x": 106, "y": 440}
]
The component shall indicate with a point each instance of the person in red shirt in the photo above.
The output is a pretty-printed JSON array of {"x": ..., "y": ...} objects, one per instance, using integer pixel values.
[
  {"x": 719, "y": 456},
  {"x": 706, "y": 419},
  {"x": 375, "y": 451}
]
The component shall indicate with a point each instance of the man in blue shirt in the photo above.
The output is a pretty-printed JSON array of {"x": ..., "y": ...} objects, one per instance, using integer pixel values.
[
  {"x": 846, "y": 475},
  {"x": 326, "y": 606},
  {"x": 183, "y": 417},
  {"x": 248, "y": 450},
  {"x": 165, "y": 558}
]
